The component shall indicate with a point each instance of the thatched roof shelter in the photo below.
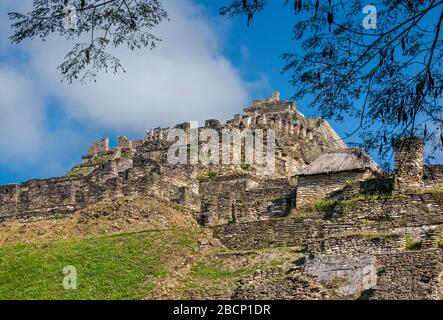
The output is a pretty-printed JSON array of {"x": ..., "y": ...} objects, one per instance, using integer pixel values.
[{"x": 350, "y": 159}]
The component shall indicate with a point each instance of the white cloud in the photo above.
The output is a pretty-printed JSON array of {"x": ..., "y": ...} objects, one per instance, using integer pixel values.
[
  {"x": 185, "y": 78},
  {"x": 21, "y": 114}
]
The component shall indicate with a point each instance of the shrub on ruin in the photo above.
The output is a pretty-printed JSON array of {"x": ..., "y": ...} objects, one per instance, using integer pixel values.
[
  {"x": 207, "y": 175},
  {"x": 411, "y": 244},
  {"x": 322, "y": 205}
]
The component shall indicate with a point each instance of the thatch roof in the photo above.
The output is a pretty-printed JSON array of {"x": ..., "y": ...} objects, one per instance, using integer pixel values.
[{"x": 349, "y": 159}]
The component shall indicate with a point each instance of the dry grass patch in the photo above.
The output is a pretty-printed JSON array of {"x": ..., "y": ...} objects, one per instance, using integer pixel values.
[{"x": 126, "y": 214}]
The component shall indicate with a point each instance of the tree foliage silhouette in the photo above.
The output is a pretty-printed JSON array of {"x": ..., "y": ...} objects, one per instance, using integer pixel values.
[
  {"x": 389, "y": 78},
  {"x": 99, "y": 24}
]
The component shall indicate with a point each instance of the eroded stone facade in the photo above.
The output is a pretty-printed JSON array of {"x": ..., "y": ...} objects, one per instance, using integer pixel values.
[
  {"x": 380, "y": 238},
  {"x": 219, "y": 193}
]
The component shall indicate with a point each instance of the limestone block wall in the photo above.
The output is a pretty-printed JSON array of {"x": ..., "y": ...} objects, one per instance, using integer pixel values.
[
  {"x": 314, "y": 187},
  {"x": 397, "y": 211},
  {"x": 265, "y": 203},
  {"x": 265, "y": 233},
  {"x": 433, "y": 176},
  {"x": 279, "y": 284},
  {"x": 58, "y": 197},
  {"x": 409, "y": 275},
  {"x": 243, "y": 198},
  {"x": 9, "y": 198},
  {"x": 37, "y": 198},
  {"x": 350, "y": 275},
  {"x": 420, "y": 216},
  {"x": 101, "y": 145},
  {"x": 408, "y": 165},
  {"x": 354, "y": 245},
  {"x": 219, "y": 194}
]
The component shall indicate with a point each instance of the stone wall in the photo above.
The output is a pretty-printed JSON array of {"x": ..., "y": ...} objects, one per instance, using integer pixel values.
[
  {"x": 433, "y": 176},
  {"x": 313, "y": 187},
  {"x": 244, "y": 198},
  {"x": 100, "y": 146},
  {"x": 348, "y": 276},
  {"x": 265, "y": 203},
  {"x": 408, "y": 165},
  {"x": 276, "y": 283},
  {"x": 358, "y": 245},
  {"x": 265, "y": 233},
  {"x": 418, "y": 215},
  {"x": 396, "y": 211},
  {"x": 410, "y": 275},
  {"x": 39, "y": 199},
  {"x": 365, "y": 254},
  {"x": 137, "y": 166}
]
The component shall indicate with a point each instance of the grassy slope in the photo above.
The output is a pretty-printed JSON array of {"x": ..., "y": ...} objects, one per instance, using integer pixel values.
[
  {"x": 124, "y": 266},
  {"x": 167, "y": 264},
  {"x": 124, "y": 249}
]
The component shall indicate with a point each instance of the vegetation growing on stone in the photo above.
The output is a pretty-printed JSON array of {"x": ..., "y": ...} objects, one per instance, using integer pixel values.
[
  {"x": 246, "y": 166},
  {"x": 352, "y": 182},
  {"x": 439, "y": 242},
  {"x": 80, "y": 171},
  {"x": 127, "y": 154},
  {"x": 436, "y": 192},
  {"x": 411, "y": 243},
  {"x": 206, "y": 175}
]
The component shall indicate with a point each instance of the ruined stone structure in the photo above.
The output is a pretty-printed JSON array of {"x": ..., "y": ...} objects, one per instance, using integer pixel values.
[
  {"x": 389, "y": 248},
  {"x": 378, "y": 237},
  {"x": 214, "y": 191},
  {"x": 408, "y": 165},
  {"x": 331, "y": 172}
]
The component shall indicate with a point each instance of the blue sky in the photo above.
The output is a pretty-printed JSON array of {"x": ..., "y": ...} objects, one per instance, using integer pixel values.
[{"x": 206, "y": 67}]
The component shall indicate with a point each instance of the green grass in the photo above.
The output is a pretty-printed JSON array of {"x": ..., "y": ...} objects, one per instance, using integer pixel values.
[
  {"x": 439, "y": 242},
  {"x": 79, "y": 172},
  {"x": 246, "y": 166},
  {"x": 322, "y": 205},
  {"x": 411, "y": 244},
  {"x": 302, "y": 213},
  {"x": 352, "y": 182},
  {"x": 436, "y": 193},
  {"x": 212, "y": 272},
  {"x": 318, "y": 205},
  {"x": 178, "y": 208},
  {"x": 207, "y": 175},
  {"x": 127, "y": 155},
  {"x": 99, "y": 159},
  {"x": 124, "y": 266}
]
